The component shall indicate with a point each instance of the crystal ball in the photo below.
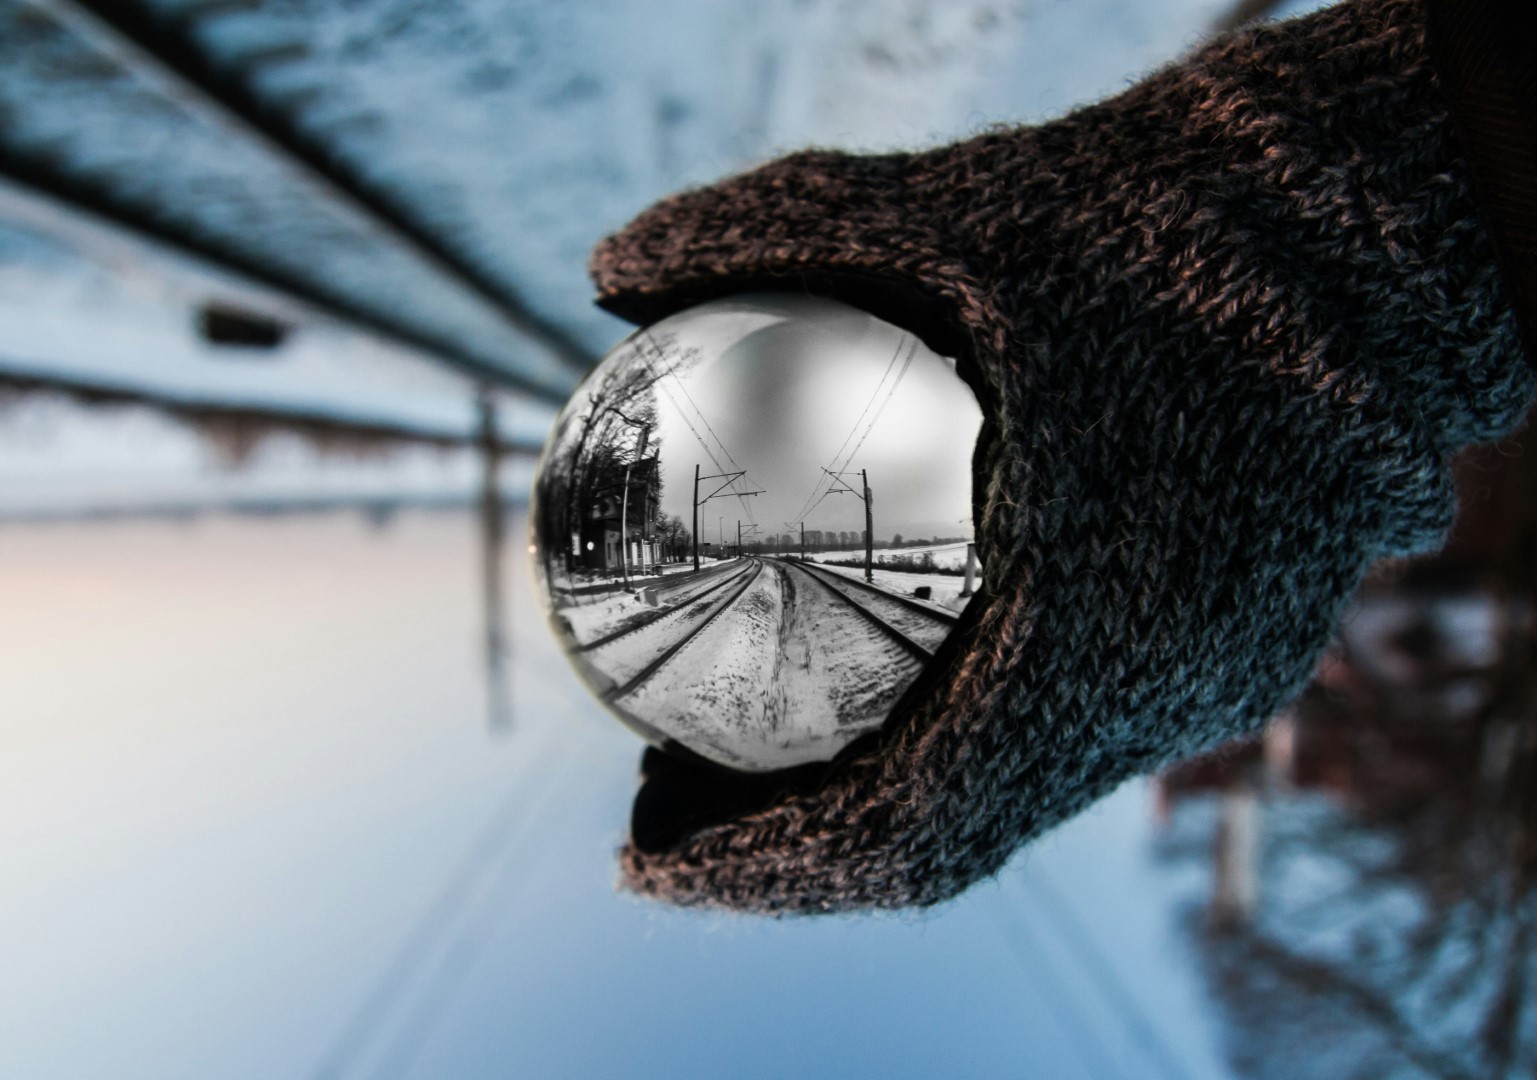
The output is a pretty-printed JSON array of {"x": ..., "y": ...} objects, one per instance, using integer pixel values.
[{"x": 752, "y": 526}]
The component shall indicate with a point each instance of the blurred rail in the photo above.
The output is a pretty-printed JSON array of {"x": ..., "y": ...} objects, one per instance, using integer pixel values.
[{"x": 300, "y": 221}]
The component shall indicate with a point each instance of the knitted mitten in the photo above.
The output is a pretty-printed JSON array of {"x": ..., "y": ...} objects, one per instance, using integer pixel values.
[{"x": 1226, "y": 330}]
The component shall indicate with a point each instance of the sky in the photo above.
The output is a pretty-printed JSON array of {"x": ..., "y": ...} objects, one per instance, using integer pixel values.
[
  {"x": 794, "y": 385},
  {"x": 254, "y": 824}
]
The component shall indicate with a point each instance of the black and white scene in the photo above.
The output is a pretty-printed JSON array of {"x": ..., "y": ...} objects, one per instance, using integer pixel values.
[
  {"x": 344, "y": 730},
  {"x": 754, "y": 523}
]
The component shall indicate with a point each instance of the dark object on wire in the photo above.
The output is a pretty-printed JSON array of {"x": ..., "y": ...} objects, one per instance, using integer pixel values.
[{"x": 223, "y": 325}]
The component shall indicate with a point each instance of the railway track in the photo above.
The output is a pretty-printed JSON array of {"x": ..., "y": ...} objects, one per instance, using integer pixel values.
[
  {"x": 742, "y": 581},
  {"x": 917, "y": 628},
  {"x": 257, "y": 182},
  {"x": 918, "y": 606},
  {"x": 683, "y": 602}
]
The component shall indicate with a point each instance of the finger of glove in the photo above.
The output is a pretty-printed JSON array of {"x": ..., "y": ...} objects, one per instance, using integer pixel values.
[{"x": 816, "y": 215}]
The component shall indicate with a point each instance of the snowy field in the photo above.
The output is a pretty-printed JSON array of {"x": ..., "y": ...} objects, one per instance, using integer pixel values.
[
  {"x": 950, "y": 556},
  {"x": 944, "y": 589},
  {"x": 590, "y": 615}
]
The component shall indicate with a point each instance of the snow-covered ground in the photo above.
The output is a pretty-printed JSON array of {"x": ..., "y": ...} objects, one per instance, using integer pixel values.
[
  {"x": 92, "y": 309},
  {"x": 710, "y": 695},
  {"x": 787, "y": 672},
  {"x": 622, "y": 658},
  {"x": 141, "y": 337},
  {"x": 928, "y": 630},
  {"x": 590, "y": 615},
  {"x": 555, "y": 123},
  {"x": 944, "y": 589},
  {"x": 837, "y": 675}
]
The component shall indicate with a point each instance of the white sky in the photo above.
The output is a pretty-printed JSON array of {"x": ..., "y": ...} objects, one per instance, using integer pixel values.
[{"x": 783, "y": 385}]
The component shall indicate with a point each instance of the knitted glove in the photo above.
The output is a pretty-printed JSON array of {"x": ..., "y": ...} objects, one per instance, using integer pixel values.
[{"x": 1226, "y": 330}]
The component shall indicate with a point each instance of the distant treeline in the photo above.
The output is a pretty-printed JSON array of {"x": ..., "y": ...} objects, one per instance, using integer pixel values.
[
  {"x": 830, "y": 540},
  {"x": 917, "y": 541}
]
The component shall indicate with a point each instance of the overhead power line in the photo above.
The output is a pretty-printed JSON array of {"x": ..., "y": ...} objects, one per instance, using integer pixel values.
[
  {"x": 911, "y": 352},
  {"x": 705, "y": 421},
  {"x": 814, "y": 499},
  {"x": 661, "y": 359}
]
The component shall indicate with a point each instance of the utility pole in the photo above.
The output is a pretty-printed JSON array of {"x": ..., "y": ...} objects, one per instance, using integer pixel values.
[
  {"x": 971, "y": 569},
  {"x": 498, "y": 700},
  {"x": 869, "y": 529},
  {"x": 791, "y": 525},
  {"x": 720, "y": 492},
  {"x": 751, "y": 529},
  {"x": 869, "y": 501}
]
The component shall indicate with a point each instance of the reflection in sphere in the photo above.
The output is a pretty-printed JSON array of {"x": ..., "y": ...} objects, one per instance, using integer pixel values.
[{"x": 752, "y": 525}]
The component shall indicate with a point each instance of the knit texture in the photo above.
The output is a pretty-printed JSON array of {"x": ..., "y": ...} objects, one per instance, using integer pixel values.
[{"x": 1227, "y": 329}]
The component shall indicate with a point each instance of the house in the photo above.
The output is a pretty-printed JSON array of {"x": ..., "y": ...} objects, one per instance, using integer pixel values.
[{"x": 613, "y": 529}]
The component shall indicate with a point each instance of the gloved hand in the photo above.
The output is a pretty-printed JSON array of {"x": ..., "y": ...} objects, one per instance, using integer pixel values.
[{"x": 1226, "y": 330}]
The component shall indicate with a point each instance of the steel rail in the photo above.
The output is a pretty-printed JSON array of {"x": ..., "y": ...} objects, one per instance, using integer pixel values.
[
  {"x": 183, "y": 66},
  {"x": 693, "y": 635},
  {"x": 922, "y": 653},
  {"x": 907, "y": 602},
  {"x": 652, "y": 620},
  {"x": 294, "y": 418},
  {"x": 65, "y": 193}
]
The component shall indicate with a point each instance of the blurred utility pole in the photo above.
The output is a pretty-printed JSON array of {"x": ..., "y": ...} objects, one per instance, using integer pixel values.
[{"x": 498, "y": 704}]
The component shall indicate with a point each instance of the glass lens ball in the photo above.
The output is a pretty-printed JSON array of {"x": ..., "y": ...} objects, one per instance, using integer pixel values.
[{"x": 752, "y": 526}]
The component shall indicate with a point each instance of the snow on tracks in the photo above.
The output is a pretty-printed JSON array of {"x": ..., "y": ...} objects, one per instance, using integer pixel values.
[
  {"x": 918, "y": 627},
  {"x": 714, "y": 684},
  {"x": 634, "y": 654},
  {"x": 837, "y": 673},
  {"x": 594, "y": 626}
]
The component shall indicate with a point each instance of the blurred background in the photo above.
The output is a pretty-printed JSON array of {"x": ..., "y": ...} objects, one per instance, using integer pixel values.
[{"x": 293, "y": 780}]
